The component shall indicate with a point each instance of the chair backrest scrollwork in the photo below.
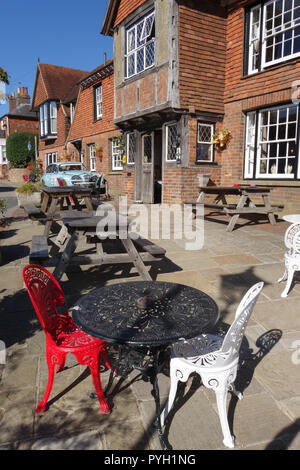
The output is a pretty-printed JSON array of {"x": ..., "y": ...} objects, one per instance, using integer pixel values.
[
  {"x": 290, "y": 235},
  {"x": 45, "y": 294},
  {"x": 233, "y": 339}
]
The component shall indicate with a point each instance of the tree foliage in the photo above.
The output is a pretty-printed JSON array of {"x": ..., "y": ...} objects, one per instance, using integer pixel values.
[
  {"x": 4, "y": 76},
  {"x": 17, "y": 151}
]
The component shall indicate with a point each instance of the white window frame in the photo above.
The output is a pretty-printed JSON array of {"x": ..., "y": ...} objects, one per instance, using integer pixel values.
[
  {"x": 257, "y": 150},
  {"x": 3, "y": 159},
  {"x": 53, "y": 117},
  {"x": 132, "y": 48},
  {"x": 172, "y": 160},
  {"x": 250, "y": 137},
  {"x": 116, "y": 156},
  {"x": 50, "y": 156},
  {"x": 72, "y": 112},
  {"x": 265, "y": 34},
  {"x": 211, "y": 145},
  {"x": 99, "y": 101},
  {"x": 92, "y": 157},
  {"x": 130, "y": 158},
  {"x": 253, "y": 39}
]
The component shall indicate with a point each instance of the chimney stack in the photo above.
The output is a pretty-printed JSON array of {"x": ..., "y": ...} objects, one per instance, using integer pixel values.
[
  {"x": 104, "y": 58},
  {"x": 22, "y": 96}
]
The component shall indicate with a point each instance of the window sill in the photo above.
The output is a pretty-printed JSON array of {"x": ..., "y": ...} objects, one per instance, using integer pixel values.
[
  {"x": 268, "y": 68},
  {"x": 116, "y": 172},
  {"x": 275, "y": 182}
]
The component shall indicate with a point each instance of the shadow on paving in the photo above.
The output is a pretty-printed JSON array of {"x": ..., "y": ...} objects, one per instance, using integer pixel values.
[
  {"x": 247, "y": 364},
  {"x": 286, "y": 436},
  {"x": 18, "y": 320}
]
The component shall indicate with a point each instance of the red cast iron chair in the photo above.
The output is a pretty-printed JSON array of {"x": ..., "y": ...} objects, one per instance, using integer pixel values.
[{"x": 62, "y": 334}]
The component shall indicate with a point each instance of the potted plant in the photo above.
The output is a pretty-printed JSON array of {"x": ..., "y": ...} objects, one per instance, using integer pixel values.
[
  {"x": 29, "y": 193},
  {"x": 221, "y": 138}
]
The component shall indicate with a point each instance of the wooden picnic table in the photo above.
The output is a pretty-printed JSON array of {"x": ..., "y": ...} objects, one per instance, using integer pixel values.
[
  {"x": 66, "y": 197},
  {"x": 78, "y": 227},
  {"x": 244, "y": 204}
]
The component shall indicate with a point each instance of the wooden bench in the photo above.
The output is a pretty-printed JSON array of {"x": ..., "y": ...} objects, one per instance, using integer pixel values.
[
  {"x": 150, "y": 247},
  {"x": 39, "y": 251}
]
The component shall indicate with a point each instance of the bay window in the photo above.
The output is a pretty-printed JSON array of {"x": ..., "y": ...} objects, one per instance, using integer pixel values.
[
  {"x": 273, "y": 30},
  {"x": 48, "y": 119},
  {"x": 271, "y": 145}
]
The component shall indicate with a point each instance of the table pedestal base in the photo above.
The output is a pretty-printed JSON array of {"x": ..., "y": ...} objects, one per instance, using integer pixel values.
[{"x": 149, "y": 361}]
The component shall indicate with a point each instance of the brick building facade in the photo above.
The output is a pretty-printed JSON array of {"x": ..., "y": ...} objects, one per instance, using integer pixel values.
[
  {"x": 20, "y": 118},
  {"x": 55, "y": 95},
  {"x": 186, "y": 69},
  {"x": 92, "y": 131}
]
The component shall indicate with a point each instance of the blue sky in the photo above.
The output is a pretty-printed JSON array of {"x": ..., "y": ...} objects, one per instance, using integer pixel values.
[{"x": 60, "y": 32}]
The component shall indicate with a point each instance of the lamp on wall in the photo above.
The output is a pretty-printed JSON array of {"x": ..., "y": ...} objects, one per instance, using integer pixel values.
[{"x": 178, "y": 149}]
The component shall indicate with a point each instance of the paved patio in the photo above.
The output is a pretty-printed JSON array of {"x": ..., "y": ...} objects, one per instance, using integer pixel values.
[{"x": 228, "y": 264}]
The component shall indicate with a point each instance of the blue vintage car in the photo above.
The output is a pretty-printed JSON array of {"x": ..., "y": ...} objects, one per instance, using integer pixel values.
[{"x": 72, "y": 174}]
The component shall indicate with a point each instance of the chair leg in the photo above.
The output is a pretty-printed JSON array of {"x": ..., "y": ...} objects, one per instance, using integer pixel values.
[
  {"x": 52, "y": 360},
  {"x": 290, "y": 275},
  {"x": 221, "y": 395},
  {"x": 175, "y": 376},
  {"x": 94, "y": 365},
  {"x": 284, "y": 277}
]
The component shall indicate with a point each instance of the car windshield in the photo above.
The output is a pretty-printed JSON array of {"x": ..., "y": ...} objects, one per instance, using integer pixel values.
[{"x": 72, "y": 167}]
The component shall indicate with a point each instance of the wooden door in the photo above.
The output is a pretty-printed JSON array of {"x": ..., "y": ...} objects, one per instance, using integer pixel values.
[{"x": 147, "y": 168}]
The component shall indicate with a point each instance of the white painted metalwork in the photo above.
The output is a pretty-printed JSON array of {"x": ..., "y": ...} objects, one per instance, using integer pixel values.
[
  {"x": 215, "y": 359},
  {"x": 292, "y": 256}
]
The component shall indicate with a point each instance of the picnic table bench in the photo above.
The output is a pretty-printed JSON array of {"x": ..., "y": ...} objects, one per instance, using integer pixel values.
[
  {"x": 136, "y": 250},
  {"x": 244, "y": 204}
]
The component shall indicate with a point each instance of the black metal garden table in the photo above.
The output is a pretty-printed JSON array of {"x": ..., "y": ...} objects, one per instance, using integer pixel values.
[{"x": 140, "y": 320}]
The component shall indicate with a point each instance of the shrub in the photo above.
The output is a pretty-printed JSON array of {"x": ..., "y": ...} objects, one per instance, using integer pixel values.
[
  {"x": 17, "y": 151},
  {"x": 29, "y": 188}
]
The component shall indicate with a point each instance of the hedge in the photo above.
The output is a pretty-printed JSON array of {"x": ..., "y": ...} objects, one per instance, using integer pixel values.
[{"x": 17, "y": 152}]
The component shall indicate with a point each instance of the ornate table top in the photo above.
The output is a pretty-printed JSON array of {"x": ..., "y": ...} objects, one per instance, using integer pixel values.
[{"x": 146, "y": 313}]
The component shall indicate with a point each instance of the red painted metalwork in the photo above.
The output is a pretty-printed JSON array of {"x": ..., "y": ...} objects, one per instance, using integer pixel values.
[{"x": 62, "y": 334}]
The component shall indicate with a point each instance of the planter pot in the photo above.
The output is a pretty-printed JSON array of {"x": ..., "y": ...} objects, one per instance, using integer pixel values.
[
  {"x": 203, "y": 179},
  {"x": 29, "y": 199}
]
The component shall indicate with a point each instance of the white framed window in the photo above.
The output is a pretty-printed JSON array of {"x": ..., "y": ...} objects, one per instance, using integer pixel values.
[
  {"x": 72, "y": 112},
  {"x": 172, "y": 142},
  {"x": 44, "y": 119},
  {"x": 92, "y": 156},
  {"x": 48, "y": 119},
  {"x": 98, "y": 102},
  {"x": 205, "y": 146},
  {"x": 250, "y": 145},
  {"x": 271, "y": 149},
  {"x": 131, "y": 148},
  {"x": 3, "y": 159},
  {"x": 274, "y": 33},
  {"x": 53, "y": 117},
  {"x": 50, "y": 158},
  {"x": 140, "y": 46},
  {"x": 116, "y": 156}
]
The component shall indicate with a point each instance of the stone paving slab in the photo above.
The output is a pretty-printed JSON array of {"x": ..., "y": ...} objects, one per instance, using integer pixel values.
[{"x": 228, "y": 264}]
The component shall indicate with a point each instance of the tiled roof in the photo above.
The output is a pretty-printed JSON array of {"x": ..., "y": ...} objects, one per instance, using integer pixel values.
[{"x": 61, "y": 82}]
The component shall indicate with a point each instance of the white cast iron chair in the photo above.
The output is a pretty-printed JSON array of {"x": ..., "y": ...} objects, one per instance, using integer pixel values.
[
  {"x": 215, "y": 359},
  {"x": 291, "y": 257}
]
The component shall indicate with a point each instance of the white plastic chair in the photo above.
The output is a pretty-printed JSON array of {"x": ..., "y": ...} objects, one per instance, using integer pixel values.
[
  {"x": 291, "y": 257},
  {"x": 215, "y": 359}
]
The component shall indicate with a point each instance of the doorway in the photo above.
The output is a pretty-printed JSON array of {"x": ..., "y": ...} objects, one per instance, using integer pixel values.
[{"x": 149, "y": 178}]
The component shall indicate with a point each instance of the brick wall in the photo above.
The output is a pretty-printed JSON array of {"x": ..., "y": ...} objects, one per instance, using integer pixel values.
[
  {"x": 23, "y": 125},
  {"x": 202, "y": 32}
]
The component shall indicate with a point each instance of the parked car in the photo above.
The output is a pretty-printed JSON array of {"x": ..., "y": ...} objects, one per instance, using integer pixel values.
[{"x": 72, "y": 174}]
